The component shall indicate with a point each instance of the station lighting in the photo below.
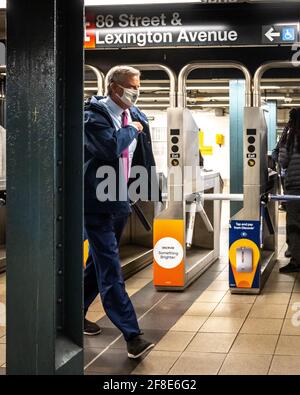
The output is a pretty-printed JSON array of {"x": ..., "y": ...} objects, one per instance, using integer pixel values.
[
  {"x": 154, "y": 105},
  {"x": 206, "y": 88},
  {"x": 213, "y": 98},
  {"x": 204, "y": 105},
  {"x": 138, "y": 2},
  {"x": 154, "y": 88},
  {"x": 91, "y": 88},
  {"x": 271, "y": 97},
  {"x": 154, "y": 99},
  {"x": 121, "y": 2},
  {"x": 210, "y": 105},
  {"x": 271, "y": 87}
]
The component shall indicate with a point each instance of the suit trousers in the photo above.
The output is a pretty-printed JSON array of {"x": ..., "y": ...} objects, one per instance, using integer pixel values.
[{"x": 103, "y": 274}]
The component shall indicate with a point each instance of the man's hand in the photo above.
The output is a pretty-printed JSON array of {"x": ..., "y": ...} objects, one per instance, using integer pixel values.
[{"x": 138, "y": 126}]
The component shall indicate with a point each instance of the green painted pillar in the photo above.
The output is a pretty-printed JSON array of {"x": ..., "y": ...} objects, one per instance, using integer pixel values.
[
  {"x": 237, "y": 104},
  {"x": 271, "y": 119},
  {"x": 44, "y": 187}
]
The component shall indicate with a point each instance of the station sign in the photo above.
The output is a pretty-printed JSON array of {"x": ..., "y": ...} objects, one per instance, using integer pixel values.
[
  {"x": 108, "y": 29},
  {"x": 129, "y": 30}
]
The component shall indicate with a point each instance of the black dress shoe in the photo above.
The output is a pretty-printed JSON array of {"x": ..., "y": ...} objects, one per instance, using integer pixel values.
[
  {"x": 90, "y": 328},
  {"x": 138, "y": 347},
  {"x": 290, "y": 268},
  {"x": 288, "y": 254}
]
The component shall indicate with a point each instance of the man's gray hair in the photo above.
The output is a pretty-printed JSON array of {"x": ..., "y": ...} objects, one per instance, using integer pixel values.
[{"x": 118, "y": 74}]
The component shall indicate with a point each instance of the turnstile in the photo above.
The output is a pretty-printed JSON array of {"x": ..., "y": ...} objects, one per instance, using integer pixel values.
[
  {"x": 253, "y": 245},
  {"x": 186, "y": 233},
  {"x": 254, "y": 230}
]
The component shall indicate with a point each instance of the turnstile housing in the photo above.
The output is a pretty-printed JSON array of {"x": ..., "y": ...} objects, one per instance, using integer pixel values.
[
  {"x": 175, "y": 266},
  {"x": 248, "y": 228}
]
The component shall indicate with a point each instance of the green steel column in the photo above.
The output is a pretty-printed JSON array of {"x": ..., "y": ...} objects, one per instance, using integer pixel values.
[
  {"x": 237, "y": 104},
  {"x": 45, "y": 186}
]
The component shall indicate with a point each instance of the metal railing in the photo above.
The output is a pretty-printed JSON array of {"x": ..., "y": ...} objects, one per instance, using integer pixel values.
[
  {"x": 285, "y": 64},
  {"x": 182, "y": 96},
  {"x": 100, "y": 79}
]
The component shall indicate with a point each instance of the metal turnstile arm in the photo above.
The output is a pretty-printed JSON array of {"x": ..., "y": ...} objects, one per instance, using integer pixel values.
[
  {"x": 205, "y": 218},
  {"x": 196, "y": 207},
  {"x": 233, "y": 197},
  {"x": 191, "y": 225},
  {"x": 284, "y": 198},
  {"x": 141, "y": 217}
]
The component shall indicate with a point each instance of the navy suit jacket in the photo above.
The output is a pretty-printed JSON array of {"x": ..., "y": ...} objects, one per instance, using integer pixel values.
[{"x": 103, "y": 147}]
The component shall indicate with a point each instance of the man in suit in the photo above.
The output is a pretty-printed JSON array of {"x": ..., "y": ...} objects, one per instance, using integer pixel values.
[{"x": 117, "y": 137}]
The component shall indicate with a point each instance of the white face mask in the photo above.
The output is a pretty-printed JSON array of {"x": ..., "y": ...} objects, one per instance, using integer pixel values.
[{"x": 130, "y": 96}]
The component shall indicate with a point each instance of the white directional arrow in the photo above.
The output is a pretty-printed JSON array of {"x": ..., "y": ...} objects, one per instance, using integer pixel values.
[{"x": 271, "y": 34}]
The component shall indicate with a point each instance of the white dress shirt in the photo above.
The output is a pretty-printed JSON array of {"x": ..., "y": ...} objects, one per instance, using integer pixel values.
[{"x": 116, "y": 114}]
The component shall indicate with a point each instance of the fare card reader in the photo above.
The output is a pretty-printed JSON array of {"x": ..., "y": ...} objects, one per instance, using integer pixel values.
[
  {"x": 244, "y": 260},
  {"x": 187, "y": 232}
]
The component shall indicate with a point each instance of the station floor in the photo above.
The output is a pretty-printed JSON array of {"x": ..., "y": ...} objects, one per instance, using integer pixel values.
[{"x": 204, "y": 330}]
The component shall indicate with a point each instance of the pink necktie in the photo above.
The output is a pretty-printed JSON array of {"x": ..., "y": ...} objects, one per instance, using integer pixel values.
[{"x": 125, "y": 153}]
